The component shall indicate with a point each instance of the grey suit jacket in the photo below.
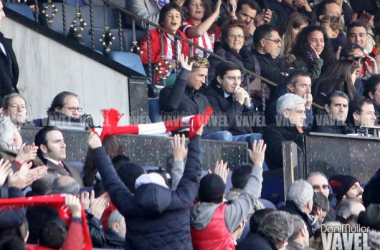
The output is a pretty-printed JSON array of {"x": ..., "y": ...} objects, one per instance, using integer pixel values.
[{"x": 69, "y": 170}]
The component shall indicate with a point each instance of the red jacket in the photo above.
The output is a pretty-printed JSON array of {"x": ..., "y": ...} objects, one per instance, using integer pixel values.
[
  {"x": 215, "y": 235},
  {"x": 155, "y": 46}
]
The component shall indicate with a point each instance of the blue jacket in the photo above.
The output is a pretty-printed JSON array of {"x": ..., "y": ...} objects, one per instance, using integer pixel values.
[{"x": 156, "y": 217}]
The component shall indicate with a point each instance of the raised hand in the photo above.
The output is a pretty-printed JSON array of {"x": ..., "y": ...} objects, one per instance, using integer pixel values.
[
  {"x": 94, "y": 141},
  {"x": 183, "y": 60},
  {"x": 257, "y": 153},
  {"x": 179, "y": 147},
  {"x": 220, "y": 168},
  {"x": 371, "y": 66},
  {"x": 264, "y": 17},
  {"x": 231, "y": 8},
  {"x": 74, "y": 205}
]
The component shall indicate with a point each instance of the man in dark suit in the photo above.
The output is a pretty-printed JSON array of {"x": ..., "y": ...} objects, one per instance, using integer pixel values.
[
  {"x": 8, "y": 64},
  {"x": 52, "y": 151}
]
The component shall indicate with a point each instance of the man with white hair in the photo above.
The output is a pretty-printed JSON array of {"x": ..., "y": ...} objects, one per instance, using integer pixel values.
[
  {"x": 289, "y": 127},
  {"x": 299, "y": 201}
]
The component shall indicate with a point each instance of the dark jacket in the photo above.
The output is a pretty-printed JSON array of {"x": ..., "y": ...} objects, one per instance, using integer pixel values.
[
  {"x": 292, "y": 208},
  {"x": 274, "y": 70},
  {"x": 282, "y": 10},
  {"x": 274, "y": 136},
  {"x": 181, "y": 100},
  {"x": 9, "y": 71},
  {"x": 340, "y": 40},
  {"x": 314, "y": 68},
  {"x": 114, "y": 241},
  {"x": 332, "y": 129},
  {"x": 156, "y": 217},
  {"x": 67, "y": 170},
  {"x": 255, "y": 241},
  {"x": 244, "y": 59},
  {"x": 11, "y": 218},
  {"x": 222, "y": 106}
]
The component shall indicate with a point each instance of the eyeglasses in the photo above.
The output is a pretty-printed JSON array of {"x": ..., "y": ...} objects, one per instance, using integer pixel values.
[
  {"x": 236, "y": 36},
  {"x": 72, "y": 109},
  {"x": 248, "y": 16},
  {"x": 277, "y": 41},
  {"x": 357, "y": 57}
]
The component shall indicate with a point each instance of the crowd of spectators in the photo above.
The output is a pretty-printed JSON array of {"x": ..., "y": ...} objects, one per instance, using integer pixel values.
[{"x": 323, "y": 52}]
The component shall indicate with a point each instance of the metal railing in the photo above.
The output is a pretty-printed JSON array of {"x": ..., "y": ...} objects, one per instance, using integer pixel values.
[{"x": 78, "y": 25}]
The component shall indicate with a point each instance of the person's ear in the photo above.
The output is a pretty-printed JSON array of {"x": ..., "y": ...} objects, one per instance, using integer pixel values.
[
  {"x": 43, "y": 148},
  {"x": 336, "y": 32},
  {"x": 286, "y": 113},
  {"x": 219, "y": 79},
  {"x": 356, "y": 116},
  {"x": 371, "y": 95},
  {"x": 262, "y": 43},
  {"x": 327, "y": 108},
  {"x": 290, "y": 87}
]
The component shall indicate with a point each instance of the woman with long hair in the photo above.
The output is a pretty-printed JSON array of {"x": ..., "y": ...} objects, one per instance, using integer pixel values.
[
  {"x": 337, "y": 76},
  {"x": 290, "y": 29},
  {"x": 312, "y": 49},
  {"x": 113, "y": 148},
  {"x": 198, "y": 26}
]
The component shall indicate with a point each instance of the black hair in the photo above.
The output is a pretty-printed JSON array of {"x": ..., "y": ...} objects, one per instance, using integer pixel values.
[
  {"x": 251, "y": 3},
  {"x": 321, "y": 10},
  {"x": 12, "y": 243},
  {"x": 53, "y": 234},
  {"x": 59, "y": 101},
  {"x": 335, "y": 94},
  {"x": 348, "y": 49},
  {"x": 257, "y": 217},
  {"x": 223, "y": 67},
  {"x": 263, "y": 31},
  {"x": 293, "y": 77},
  {"x": 168, "y": 7},
  {"x": 240, "y": 176},
  {"x": 41, "y": 139},
  {"x": 356, "y": 24},
  {"x": 320, "y": 202},
  {"x": 371, "y": 84}
]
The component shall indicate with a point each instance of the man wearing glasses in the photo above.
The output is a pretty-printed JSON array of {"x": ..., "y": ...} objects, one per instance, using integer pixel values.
[
  {"x": 65, "y": 113},
  {"x": 319, "y": 182},
  {"x": 268, "y": 45}
]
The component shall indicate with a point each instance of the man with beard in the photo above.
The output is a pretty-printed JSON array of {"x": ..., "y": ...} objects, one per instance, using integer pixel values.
[{"x": 346, "y": 187}]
